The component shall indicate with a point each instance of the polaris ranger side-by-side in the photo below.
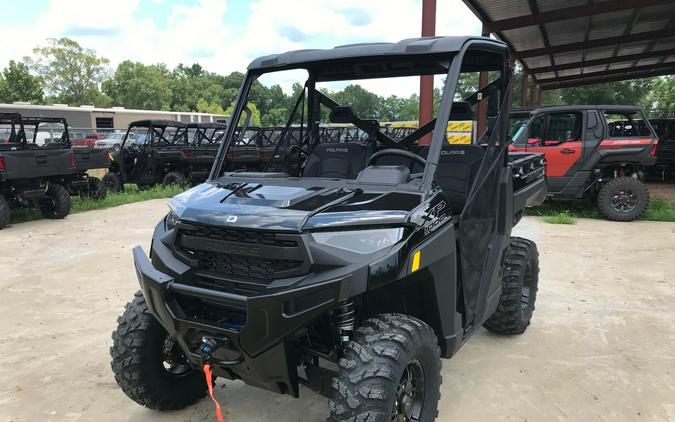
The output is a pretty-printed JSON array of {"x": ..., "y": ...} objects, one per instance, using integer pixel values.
[
  {"x": 31, "y": 175},
  {"x": 148, "y": 153},
  {"x": 597, "y": 152},
  {"x": 351, "y": 273},
  {"x": 53, "y": 133}
]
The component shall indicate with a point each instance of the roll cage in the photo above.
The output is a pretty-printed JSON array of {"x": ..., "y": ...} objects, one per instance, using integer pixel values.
[
  {"x": 64, "y": 137},
  {"x": 415, "y": 57},
  {"x": 156, "y": 133},
  {"x": 17, "y": 134}
]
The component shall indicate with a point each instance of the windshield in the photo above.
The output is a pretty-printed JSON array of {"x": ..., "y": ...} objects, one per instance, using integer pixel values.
[{"x": 336, "y": 128}]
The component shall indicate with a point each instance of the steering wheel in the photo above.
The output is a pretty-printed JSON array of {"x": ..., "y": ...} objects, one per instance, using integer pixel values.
[{"x": 398, "y": 152}]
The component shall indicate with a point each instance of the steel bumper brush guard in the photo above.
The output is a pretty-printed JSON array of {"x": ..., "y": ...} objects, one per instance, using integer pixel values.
[{"x": 351, "y": 268}]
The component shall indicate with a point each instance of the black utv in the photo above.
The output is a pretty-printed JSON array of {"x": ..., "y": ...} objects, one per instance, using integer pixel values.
[
  {"x": 31, "y": 175},
  {"x": 53, "y": 133},
  {"x": 144, "y": 157},
  {"x": 352, "y": 273}
]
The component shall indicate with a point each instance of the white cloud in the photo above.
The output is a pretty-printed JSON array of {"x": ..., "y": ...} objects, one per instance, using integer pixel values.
[{"x": 197, "y": 34}]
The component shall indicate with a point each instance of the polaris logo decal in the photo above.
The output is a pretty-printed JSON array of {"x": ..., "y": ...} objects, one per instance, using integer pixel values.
[
  {"x": 453, "y": 152},
  {"x": 232, "y": 219},
  {"x": 337, "y": 150}
]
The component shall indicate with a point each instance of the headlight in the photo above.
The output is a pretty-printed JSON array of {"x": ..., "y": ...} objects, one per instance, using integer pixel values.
[
  {"x": 171, "y": 220},
  {"x": 362, "y": 241}
]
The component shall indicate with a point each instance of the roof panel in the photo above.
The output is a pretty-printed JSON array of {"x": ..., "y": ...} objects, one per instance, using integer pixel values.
[
  {"x": 664, "y": 43},
  {"x": 534, "y": 62},
  {"x": 567, "y": 31},
  {"x": 571, "y": 57},
  {"x": 503, "y": 9},
  {"x": 633, "y": 48},
  {"x": 525, "y": 38},
  {"x": 647, "y": 62},
  {"x": 548, "y": 5},
  {"x": 609, "y": 24}
]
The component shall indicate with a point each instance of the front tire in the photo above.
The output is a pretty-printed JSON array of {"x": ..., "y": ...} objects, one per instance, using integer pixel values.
[
  {"x": 174, "y": 178},
  {"x": 56, "y": 204},
  {"x": 150, "y": 371},
  {"x": 623, "y": 199},
  {"x": 4, "y": 212},
  {"x": 520, "y": 281},
  {"x": 97, "y": 189},
  {"x": 112, "y": 182},
  {"x": 390, "y": 371}
]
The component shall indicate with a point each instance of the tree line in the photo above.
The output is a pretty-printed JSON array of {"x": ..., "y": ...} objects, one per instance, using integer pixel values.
[{"x": 62, "y": 71}]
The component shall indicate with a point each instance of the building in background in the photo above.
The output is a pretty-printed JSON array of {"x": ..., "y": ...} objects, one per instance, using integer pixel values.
[{"x": 106, "y": 119}]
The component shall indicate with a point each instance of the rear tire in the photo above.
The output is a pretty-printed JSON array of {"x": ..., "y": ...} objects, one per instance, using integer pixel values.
[
  {"x": 112, "y": 182},
  {"x": 4, "y": 212},
  {"x": 174, "y": 178},
  {"x": 623, "y": 199},
  {"x": 391, "y": 368},
  {"x": 97, "y": 189},
  {"x": 520, "y": 281},
  {"x": 56, "y": 204},
  {"x": 139, "y": 360}
]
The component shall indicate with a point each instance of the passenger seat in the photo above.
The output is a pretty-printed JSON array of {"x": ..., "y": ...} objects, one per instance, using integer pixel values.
[
  {"x": 457, "y": 168},
  {"x": 340, "y": 161}
]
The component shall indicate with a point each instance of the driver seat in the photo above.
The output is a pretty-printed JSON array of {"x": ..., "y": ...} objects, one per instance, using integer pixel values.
[{"x": 339, "y": 161}]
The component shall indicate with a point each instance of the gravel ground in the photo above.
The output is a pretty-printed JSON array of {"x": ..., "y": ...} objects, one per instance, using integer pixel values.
[{"x": 600, "y": 347}]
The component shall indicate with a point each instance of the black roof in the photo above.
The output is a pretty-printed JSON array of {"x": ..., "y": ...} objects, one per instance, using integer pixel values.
[
  {"x": 586, "y": 107},
  {"x": 410, "y": 48},
  {"x": 207, "y": 125},
  {"x": 158, "y": 123},
  {"x": 8, "y": 116},
  {"x": 35, "y": 120}
]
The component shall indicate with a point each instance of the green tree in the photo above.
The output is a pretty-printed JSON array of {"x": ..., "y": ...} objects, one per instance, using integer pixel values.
[
  {"x": 631, "y": 92},
  {"x": 17, "y": 84},
  {"x": 71, "y": 73},
  {"x": 192, "y": 83},
  {"x": 255, "y": 114},
  {"x": 364, "y": 102},
  {"x": 135, "y": 85},
  {"x": 204, "y": 106},
  {"x": 662, "y": 94}
]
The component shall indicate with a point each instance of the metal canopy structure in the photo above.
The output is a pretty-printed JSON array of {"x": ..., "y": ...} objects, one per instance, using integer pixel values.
[{"x": 568, "y": 43}]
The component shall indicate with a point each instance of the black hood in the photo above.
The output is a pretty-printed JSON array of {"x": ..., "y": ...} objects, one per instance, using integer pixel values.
[{"x": 291, "y": 208}]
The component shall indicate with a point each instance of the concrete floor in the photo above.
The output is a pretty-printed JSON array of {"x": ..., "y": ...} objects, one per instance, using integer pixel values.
[{"x": 601, "y": 346}]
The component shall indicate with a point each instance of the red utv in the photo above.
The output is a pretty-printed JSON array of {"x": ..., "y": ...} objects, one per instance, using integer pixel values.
[{"x": 594, "y": 151}]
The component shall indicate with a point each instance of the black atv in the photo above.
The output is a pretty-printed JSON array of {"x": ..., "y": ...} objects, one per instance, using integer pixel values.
[
  {"x": 53, "y": 133},
  {"x": 152, "y": 152},
  {"x": 32, "y": 175},
  {"x": 352, "y": 273}
]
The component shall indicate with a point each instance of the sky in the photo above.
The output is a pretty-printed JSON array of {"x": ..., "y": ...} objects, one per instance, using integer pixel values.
[{"x": 221, "y": 35}]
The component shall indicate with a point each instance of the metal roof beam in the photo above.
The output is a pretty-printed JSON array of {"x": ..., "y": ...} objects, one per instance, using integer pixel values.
[
  {"x": 602, "y": 77},
  {"x": 569, "y": 13},
  {"x": 601, "y": 42},
  {"x": 609, "y": 60}
]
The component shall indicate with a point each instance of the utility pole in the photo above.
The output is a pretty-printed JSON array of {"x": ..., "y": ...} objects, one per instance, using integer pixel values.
[{"x": 426, "y": 111}]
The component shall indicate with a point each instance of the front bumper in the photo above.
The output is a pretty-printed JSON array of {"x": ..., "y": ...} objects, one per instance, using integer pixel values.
[{"x": 257, "y": 351}]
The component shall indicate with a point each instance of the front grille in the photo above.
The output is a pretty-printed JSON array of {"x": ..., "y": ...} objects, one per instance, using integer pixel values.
[
  {"x": 242, "y": 236},
  {"x": 242, "y": 266},
  {"x": 234, "y": 260}
]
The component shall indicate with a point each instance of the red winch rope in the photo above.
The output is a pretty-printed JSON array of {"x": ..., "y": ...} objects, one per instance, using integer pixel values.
[{"x": 209, "y": 382}]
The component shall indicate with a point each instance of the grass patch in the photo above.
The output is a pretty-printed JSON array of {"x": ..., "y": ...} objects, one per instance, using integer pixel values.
[
  {"x": 560, "y": 218},
  {"x": 559, "y": 212},
  {"x": 130, "y": 195},
  {"x": 660, "y": 210}
]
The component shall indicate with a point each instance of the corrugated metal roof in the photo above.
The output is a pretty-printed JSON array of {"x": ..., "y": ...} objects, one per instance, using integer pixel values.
[{"x": 565, "y": 43}]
